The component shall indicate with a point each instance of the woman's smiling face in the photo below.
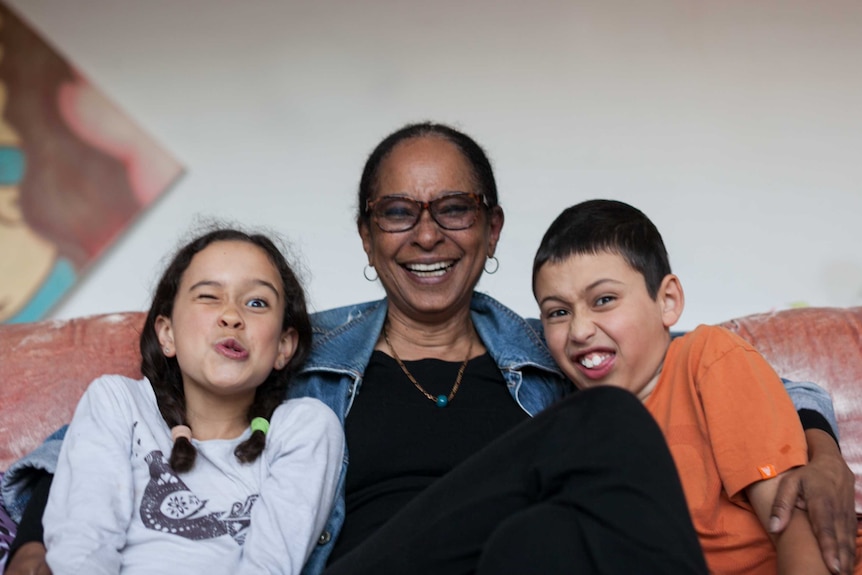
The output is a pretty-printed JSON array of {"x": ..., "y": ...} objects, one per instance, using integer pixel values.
[{"x": 429, "y": 272}]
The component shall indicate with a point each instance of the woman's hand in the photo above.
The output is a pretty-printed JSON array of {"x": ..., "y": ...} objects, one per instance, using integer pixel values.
[
  {"x": 29, "y": 560},
  {"x": 825, "y": 487}
]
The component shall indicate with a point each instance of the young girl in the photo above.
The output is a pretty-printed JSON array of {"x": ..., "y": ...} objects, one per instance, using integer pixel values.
[{"x": 201, "y": 467}]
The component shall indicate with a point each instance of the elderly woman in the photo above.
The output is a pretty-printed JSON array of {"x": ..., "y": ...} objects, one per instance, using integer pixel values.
[{"x": 446, "y": 469}]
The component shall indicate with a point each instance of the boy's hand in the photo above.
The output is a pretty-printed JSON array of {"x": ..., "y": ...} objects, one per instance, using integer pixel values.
[
  {"x": 825, "y": 487},
  {"x": 29, "y": 560}
]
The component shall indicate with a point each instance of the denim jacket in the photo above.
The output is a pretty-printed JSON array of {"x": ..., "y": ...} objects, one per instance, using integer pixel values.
[{"x": 344, "y": 340}]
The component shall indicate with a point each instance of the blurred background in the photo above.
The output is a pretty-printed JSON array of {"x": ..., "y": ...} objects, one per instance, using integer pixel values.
[{"x": 735, "y": 125}]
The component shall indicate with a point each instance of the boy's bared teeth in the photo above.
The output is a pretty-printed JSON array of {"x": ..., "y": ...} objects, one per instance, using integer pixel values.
[{"x": 592, "y": 360}]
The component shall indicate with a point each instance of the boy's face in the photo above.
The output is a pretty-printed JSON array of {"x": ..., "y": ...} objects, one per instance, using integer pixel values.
[{"x": 601, "y": 324}]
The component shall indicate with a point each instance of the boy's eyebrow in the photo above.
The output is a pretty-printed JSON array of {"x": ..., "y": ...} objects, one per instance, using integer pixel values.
[
  {"x": 549, "y": 298},
  {"x": 599, "y": 282},
  {"x": 590, "y": 287}
]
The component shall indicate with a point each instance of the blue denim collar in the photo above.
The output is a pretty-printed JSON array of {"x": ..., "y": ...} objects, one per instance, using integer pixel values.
[{"x": 345, "y": 337}]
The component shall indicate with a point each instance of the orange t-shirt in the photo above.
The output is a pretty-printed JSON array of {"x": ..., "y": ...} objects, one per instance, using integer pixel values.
[{"x": 728, "y": 422}]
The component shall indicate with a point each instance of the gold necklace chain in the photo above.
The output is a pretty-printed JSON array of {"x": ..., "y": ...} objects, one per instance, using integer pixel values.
[{"x": 440, "y": 400}]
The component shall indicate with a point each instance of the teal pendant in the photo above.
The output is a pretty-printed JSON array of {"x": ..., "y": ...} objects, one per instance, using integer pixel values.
[{"x": 442, "y": 401}]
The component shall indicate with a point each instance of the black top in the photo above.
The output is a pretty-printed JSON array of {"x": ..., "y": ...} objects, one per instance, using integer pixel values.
[{"x": 399, "y": 441}]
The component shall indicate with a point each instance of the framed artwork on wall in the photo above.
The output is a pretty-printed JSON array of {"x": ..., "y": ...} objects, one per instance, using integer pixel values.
[{"x": 75, "y": 172}]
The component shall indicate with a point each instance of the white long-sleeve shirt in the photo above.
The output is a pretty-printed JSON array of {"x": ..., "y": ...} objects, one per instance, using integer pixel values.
[{"x": 117, "y": 507}]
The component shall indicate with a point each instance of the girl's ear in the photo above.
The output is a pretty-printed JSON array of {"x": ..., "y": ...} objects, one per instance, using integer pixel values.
[
  {"x": 286, "y": 348},
  {"x": 165, "y": 333},
  {"x": 671, "y": 300}
]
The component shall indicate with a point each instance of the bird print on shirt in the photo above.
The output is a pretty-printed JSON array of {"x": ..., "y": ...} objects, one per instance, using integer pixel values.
[{"x": 169, "y": 506}]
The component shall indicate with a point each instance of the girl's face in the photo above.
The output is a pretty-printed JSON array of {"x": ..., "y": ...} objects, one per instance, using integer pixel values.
[
  {"x": 226, "y": 326},
  {"x": 429, "y": 272}
]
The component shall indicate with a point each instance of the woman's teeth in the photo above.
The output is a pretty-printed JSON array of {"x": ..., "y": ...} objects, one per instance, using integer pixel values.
[{"x": 429, "y": 270}]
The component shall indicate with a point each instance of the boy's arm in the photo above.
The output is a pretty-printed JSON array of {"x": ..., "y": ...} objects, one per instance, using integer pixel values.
[
  {"x": 795, "y": 546},
  {"x": 812, "y": 485},
  {"x": 825, "y": 487}
]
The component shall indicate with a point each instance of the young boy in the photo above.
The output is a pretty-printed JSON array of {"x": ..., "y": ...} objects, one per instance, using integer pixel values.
[{"x": 608, "y": 298}]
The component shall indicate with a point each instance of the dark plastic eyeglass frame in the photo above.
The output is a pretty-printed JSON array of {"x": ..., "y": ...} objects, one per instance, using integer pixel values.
[{"x": 480, "y": 200}]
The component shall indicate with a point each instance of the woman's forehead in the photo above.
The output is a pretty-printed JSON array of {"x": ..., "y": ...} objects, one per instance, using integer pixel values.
[{"x": 424, "y": 165}]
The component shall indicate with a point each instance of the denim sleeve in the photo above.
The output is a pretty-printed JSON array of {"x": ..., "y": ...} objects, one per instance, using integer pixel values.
[
  {"x": 807, "y": 395},
  {"x": 23, "y": 475}
]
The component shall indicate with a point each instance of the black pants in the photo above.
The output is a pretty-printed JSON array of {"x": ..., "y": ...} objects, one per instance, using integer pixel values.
[{"x": 587, "y": 486}]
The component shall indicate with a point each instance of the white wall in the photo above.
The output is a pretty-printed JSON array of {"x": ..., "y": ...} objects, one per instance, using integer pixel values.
[{"x": 737, "y": 126}]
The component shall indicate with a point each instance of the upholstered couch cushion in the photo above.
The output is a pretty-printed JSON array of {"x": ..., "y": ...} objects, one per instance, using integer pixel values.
[
  {"x": 47, "y": 365},
  {"x": 822, "y": 345}
]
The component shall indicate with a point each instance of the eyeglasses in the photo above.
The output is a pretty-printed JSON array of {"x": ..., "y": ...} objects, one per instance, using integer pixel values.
[{"x": 455, "y": 211}]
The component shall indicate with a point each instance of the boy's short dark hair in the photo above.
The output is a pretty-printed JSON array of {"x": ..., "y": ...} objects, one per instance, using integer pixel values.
[{"x": 598, "y": 226}]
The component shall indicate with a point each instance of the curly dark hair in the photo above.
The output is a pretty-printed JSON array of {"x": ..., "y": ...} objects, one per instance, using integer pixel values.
[{"x": 164, "y": 372}]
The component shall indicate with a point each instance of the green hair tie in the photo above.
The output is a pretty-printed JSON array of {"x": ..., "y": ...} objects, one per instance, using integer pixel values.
[{"x": 259, "y": 424}]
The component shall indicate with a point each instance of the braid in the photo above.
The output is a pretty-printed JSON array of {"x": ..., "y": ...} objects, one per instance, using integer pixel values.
[
  {"x": 183, "y": 453},
  {"x": 171, "y": 400},
  {"x": 268, "y": 396}
]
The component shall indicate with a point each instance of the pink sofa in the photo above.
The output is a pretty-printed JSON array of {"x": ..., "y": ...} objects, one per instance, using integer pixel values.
[{"x": 45, "y": 367}]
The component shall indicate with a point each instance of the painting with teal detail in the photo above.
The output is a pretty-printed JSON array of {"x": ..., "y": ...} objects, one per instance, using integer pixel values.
[
  {"x": 43, "y": 290},
  {"x": 75, "y": 173}
]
